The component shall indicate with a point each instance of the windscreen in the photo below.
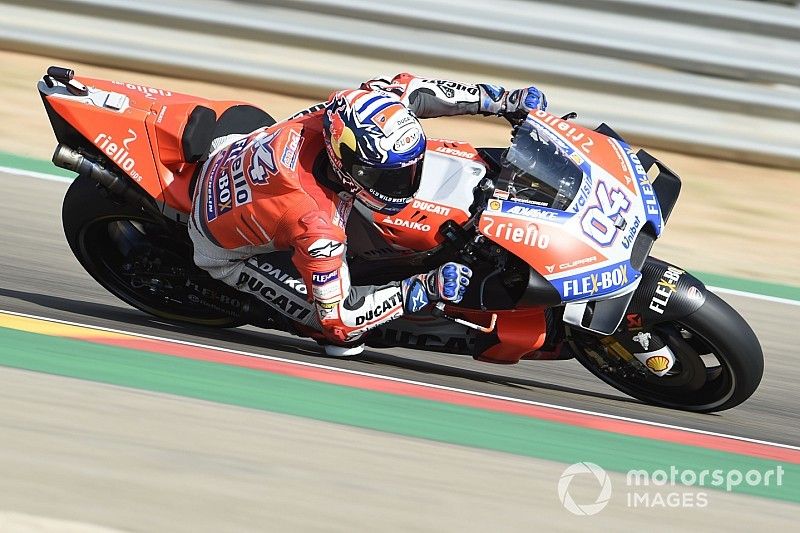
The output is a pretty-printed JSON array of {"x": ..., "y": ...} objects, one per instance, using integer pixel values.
[{"x": 536, "y": 170}]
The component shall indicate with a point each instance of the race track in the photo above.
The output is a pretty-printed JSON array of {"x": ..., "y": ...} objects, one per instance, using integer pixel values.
[
  {"x": 99, "y": 454},
  {"x": 40, "y": 276}
]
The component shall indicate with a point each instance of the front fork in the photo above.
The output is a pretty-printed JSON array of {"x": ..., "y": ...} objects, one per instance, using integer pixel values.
[{"x": 665, "y": 293}]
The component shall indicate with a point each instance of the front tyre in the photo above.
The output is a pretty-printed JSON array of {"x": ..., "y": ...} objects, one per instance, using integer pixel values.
[{"x": 719, "y": 362}]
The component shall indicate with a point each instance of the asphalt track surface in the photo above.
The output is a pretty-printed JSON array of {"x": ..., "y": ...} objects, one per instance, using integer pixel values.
[{"x": 40, "y": 276}]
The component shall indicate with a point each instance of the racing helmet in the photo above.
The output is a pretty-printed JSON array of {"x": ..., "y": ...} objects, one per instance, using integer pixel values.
[{"x": 376, "y": 147}]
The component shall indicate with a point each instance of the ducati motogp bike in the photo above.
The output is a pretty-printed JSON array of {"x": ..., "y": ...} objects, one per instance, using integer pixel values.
[{"x": 557, "y": 227}]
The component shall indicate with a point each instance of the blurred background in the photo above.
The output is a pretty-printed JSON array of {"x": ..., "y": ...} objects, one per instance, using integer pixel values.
[
  {"x": 713, "y": 85},
  {"x": 718, "y": 77}
]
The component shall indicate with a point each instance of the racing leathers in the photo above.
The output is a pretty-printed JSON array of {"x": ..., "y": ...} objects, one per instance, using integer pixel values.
[{"x": 269, "y": 191}]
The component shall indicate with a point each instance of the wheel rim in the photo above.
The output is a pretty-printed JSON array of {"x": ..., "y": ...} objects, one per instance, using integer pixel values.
[
  {"x": 137, "y": 262},
  {"x": 700, "y": 380}
]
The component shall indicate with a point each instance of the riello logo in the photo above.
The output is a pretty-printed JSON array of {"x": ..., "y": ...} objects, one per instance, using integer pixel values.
[{"x": 118, "y": 153}]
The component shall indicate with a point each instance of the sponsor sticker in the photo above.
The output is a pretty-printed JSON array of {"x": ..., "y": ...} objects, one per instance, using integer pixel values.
[
  {"x": 211, "y": 201},
  {"x": 224, "y": 194},
  {"x": 530, "y": 211},
  {"x": 634, "y": 321},
  {"x": 648, "y": 194},
  {"x": 328, "y": 310},
  {"x": 667, "y": 286},
  {"x": 694, "y": 293},
  {"x": 295, "y": 308},
  {"x": 383, "y": 118},
  {"x": 242, "y": 193},
  {"x": 417, "y": 297},
  {"x": 571, "y": 265},
  {"x": 278, "y": 273},
  {"x": 430, "y": 207},
  {"x": 455, "y": 152},
  {"x": 643, "y": 338},
  {"x": 567, "y": 130},
  {"x": 326, "y": 287},
  {"x": 657, "y": 363},
  {"x": 597, "y": 283},
  {"x": 241, "y": 190},
  {"x": 326, "y": 248},
  {"x": 515, "y": 231},
  {"x": 390, "y": 304},
  {"x": 147, "y": 91},
  {"x": 397, "y": 221},
  {"x": 321, "y": 278},
  {"x": 327, "y": 292},
  {"x": 448, "y": 88},
  {"x": 292, "y": 150},
  {"x": 119, "y": 151},
  {"x": 633, "y": 230},
  {"x": 407, "y": 140}
]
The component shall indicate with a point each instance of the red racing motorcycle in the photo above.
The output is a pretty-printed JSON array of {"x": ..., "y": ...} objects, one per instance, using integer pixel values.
[{"x": 557, "y": 227}]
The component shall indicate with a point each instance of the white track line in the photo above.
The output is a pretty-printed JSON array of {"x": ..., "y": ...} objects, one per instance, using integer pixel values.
[
  {"x": 37, "y": 175},
  {"x": 754, "y": 296},
  {"x": 411, "y": 382},
  {"x": 744, "y": 294}
]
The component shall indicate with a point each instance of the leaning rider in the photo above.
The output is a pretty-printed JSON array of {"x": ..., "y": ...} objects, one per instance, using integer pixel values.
[{"x": 270, "y": 207}]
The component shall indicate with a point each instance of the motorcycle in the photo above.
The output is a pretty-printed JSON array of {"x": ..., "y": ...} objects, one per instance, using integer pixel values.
[{"x": 557, "y": 228}]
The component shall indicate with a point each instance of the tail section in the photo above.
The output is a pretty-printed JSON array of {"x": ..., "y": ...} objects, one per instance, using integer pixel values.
[{"x": 154, "y": 136}]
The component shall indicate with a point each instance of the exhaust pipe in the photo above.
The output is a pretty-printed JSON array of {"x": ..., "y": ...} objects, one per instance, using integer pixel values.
[{"x": 66, "y": 157}]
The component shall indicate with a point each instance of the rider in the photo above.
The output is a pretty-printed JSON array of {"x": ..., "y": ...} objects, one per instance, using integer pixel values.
[{"x": 289, "y": 188}]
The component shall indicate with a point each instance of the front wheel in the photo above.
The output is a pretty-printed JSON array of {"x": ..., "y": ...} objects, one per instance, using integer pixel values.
[{"x": 719, "y": 362}]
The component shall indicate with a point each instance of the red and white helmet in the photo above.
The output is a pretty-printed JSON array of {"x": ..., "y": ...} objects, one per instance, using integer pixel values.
[{"x": 376, "y": 147}]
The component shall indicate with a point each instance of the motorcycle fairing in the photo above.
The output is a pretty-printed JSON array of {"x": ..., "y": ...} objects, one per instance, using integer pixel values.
[
  {"x": 450, "y": 173},
  {"x": 141, "y": 130},
  {"x": 114, "y": 123},
  {"x": 517, "y": 334},
  {"x": 537, "y": 235},
  {"x": 597, "y": 230}
]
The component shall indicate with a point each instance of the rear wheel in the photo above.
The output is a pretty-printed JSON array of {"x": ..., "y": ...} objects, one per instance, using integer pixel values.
[
  {"x": 719, "y": 362},
  {"x": 140, "y": 261}
]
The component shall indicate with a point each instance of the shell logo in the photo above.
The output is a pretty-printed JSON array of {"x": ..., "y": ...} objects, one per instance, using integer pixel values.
[
  {"x": 494, "y": 205},
  {"x": 657, "y": 363}
]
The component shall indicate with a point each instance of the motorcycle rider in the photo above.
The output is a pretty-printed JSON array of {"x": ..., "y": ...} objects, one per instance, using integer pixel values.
[{"x": 270, "y": 207}]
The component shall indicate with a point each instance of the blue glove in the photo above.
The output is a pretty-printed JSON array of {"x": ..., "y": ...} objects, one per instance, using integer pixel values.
[
  {"x": 525, "y": 100},
  {"x": 521, "y": 102},
  {"x": 449, "y": 282},
  {"x": 514, "y": 105}
]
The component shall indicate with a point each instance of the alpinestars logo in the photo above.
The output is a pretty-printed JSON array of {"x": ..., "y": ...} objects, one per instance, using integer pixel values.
[
  {"x": 417, "y": 297},
  {"x": 325, "y": 248}
]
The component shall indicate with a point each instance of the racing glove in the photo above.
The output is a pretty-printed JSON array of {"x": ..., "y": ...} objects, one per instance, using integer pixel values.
[
  {"x": 448, "y": 282},
  {"x": 513, "y": 105}
]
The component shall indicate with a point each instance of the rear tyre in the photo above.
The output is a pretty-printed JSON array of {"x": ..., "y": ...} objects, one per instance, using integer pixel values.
[
  {"x": 137, "y": 259},
  {"x": 719, "y": 362}
]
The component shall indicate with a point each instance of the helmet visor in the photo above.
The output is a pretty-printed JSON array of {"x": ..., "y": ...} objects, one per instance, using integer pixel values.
[{"x": 389, "y": 184}]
